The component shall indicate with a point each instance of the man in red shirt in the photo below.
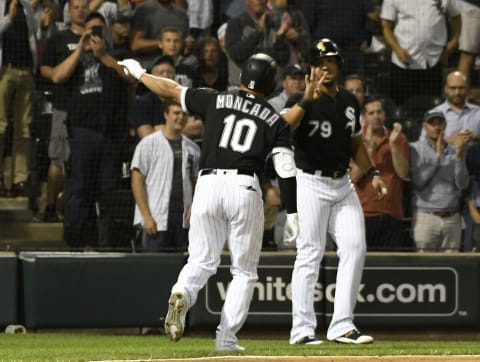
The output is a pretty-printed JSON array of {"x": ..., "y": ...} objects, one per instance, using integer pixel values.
[{"x": 388, "y": 151}]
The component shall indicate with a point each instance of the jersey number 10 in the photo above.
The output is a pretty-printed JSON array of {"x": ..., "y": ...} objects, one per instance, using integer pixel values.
[{"x": 238, "y": 134}]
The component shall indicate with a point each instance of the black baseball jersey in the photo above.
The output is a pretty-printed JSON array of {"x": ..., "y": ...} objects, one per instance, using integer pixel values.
[
  {"x": 322, "y": 140},
  {"x": 240, "y": 130}
]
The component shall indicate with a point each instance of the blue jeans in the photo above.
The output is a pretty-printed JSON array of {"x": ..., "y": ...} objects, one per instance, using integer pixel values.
[{"x": 175, "y": 238}]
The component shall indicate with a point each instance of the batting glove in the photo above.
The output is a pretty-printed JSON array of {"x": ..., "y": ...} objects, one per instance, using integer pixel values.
[
  {"x": 133, "y": 67},
  {"x": 290, "y": 231}
]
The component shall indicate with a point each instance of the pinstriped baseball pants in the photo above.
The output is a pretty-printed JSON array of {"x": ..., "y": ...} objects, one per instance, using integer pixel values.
[
  {"x": 326, "y": 205},
  {"x": 226, "y": 208}
]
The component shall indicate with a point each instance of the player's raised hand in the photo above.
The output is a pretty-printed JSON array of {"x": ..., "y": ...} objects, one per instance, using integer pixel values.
[
  {"x": 290, "y": 231},
  {"x": 132, "y": 67},
  {"x": 313, "y": 82}
]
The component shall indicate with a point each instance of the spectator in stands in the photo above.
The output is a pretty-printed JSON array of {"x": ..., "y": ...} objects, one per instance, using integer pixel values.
[
  {"x": 463, "y": 118},
  {"x": 161, "y": 163},
  {"x": 271, "y": 206},
  {"x": 298, "y": 34},
  {"x": 471, "y": 214},
  {"x": 346, "y": 23},
  {"x": 171, "y": 43},
  {"x": 253, "y": 32},
  {"x": 388, "y": 151},
  {"x": 200, "y": 17},
  {"x": 469, "y": 45},
  {"x": 355, "y": 83},
  {"x": 416, "y": 31},
  {"x": 147, "y": 110},
  {"x": 96, "y": 134},
  {"x": 18, "y": 62},
  {"x": 120, "y": 35},
  {"x": 150, "y": 18},
  {"x": 213, "y": 68},
  {"x": 439, "y": 176},
  {"x": 45, "y": 13},
  {"x": 109, "y": 9},
  {"x": 60, "y": 59},
  {"x": 293, "y": 82}
]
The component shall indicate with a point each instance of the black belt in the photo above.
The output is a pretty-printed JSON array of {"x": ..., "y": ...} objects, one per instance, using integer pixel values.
[
  {"x": 219, "y": 171},
  {"x": 442, "y": 214},
  {"x": 327, "y": 173}
]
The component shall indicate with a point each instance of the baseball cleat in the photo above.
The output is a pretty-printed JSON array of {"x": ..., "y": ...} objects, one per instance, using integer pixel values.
[
  {"x": 175, "y": 319},
  {"x": 309, "y": 340},
  {"x": 355, "y": 337}
]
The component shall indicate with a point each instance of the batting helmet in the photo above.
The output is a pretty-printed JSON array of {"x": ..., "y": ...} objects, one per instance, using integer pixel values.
[
  {"x": 325, "y": 48},
  {"x": 258, "y": 73}
]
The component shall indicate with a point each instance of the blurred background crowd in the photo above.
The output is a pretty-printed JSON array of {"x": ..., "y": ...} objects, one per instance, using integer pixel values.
[{"x": 70, "y": 119}]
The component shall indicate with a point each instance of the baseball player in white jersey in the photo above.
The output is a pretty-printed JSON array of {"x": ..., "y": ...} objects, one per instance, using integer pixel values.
[
  {"x": 241, "y": 129},
  {"x": 327, "y": 133}
]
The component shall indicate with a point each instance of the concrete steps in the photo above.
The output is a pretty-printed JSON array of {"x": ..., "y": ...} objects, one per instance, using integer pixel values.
[{"x": 21, "y": 229}]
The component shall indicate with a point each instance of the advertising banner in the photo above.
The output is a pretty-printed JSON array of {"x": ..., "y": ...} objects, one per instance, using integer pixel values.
[{"x": 396, "y": 290}]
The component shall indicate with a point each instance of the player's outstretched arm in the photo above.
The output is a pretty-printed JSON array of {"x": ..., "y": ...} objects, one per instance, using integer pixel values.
[{"x": 163, "y": 87}]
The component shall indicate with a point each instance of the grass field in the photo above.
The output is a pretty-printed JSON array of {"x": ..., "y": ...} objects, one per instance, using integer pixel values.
[{"x": 86, "y": 346}]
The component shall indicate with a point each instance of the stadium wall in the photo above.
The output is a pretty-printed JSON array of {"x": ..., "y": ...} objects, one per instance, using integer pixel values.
[{"x": 109, "y": 290}]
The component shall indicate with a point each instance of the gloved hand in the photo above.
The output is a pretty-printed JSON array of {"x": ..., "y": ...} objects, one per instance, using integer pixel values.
[
  {"x": 290, "y": 231},
  {"x": 133, "y": 67}
]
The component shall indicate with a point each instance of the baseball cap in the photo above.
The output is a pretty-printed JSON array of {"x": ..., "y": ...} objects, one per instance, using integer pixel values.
[
  {"x": 294, "y": 70},
  {"x": 124, "y": 16},
  {"x": 163, "y": 59},
  {"x": 432, "y": 114}
]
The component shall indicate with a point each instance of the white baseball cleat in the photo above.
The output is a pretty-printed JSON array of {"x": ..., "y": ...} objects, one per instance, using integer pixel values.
[
  {"x": 354, "y": 337},
  {"x": 175, "y": 319}
]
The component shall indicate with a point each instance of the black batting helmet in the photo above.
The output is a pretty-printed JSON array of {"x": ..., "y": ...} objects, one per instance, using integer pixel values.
[
  {"x": 258, "y": 73},
  {"x": 325, "y": 48}
]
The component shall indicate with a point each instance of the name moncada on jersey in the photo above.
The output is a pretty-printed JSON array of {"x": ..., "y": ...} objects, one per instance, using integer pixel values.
[{"x": 237, "y": 103}]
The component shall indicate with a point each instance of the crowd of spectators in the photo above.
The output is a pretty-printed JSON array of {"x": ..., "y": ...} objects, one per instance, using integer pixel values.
[{"x": 66, "y": 52}]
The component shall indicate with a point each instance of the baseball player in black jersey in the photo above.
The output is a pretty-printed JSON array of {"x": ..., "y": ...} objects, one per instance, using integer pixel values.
[
  {"x": 240, "y": 130},
  {"x": 327, "y": 133}
]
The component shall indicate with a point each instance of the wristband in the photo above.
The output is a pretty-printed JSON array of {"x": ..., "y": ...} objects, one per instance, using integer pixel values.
[
  {"x": 304, "y": 103},
  {"x": 372, "y": 172}
]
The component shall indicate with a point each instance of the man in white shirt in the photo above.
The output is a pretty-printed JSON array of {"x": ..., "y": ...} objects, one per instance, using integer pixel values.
[
  {"x": 163, "y": 161},
  {"x": 417, "y": 33}
]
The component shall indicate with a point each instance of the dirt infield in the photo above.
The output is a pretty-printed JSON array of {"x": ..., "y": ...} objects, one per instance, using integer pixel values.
[{"x": 411, "y": 358}]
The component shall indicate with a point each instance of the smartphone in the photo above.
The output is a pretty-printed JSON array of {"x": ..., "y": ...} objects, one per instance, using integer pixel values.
[{"x": 97, "y": 30}]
